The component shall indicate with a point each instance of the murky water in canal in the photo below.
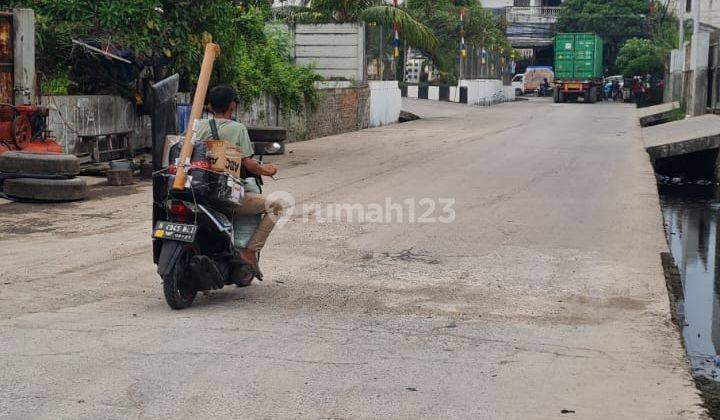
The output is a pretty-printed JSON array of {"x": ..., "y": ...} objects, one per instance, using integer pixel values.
[{"x": 692, "y": 220}]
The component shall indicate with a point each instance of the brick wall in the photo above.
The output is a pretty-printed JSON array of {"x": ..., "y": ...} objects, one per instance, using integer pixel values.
[
  {"x": 340, "y": 110},
  {"x": 343, "y": 107}
]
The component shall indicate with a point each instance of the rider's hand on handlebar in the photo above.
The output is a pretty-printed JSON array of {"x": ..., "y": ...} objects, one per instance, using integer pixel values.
[{"x": 269, "y": 169}]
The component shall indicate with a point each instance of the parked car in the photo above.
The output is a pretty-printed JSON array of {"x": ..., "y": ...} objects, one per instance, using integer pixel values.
[{"x": 517, "y": 83}]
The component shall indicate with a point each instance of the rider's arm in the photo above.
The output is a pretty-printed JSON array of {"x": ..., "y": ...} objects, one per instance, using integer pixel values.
[
  {"x": 251, "y": 165},
  {"x": 257, "y": 168}
]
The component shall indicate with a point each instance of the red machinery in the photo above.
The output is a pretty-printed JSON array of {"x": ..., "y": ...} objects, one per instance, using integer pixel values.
[{"x": 24, "y": 127}]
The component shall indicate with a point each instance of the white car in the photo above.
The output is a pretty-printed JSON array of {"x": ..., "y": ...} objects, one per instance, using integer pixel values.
[
  {"x": 517, "y": 84},
  {"x": 619, "y": 79}
]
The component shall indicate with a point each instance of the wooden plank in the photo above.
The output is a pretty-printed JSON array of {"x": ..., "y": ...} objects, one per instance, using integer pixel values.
[
  {"x": 211, "y": 52},
  {"x": 315, "y": 39},
  {"x": 7, "y": 95},
  {"x": 6, "y": 38},
  {"x": 7, "y": 68},
  {"x": 319, "y": 51}
]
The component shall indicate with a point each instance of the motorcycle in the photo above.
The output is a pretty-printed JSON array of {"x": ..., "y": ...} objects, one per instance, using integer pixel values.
[
  {"x": 193, "y": 238},
  {"x": 544, "y": 91}
]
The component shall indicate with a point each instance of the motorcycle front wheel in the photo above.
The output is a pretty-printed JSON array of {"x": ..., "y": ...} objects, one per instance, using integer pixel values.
[{"x": 179, "y": 293}]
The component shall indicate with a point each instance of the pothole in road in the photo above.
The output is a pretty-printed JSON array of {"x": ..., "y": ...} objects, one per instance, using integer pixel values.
[{"x": 408, "y": 255}]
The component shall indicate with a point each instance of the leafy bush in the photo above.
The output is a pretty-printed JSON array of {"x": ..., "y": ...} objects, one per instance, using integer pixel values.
[
  {"x": 170, "y": 34},
  {"x": 638, "y": 57},
  {"x": 618, "y": 21}
]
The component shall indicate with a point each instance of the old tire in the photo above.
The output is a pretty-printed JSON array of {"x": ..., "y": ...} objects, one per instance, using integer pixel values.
[
  {"x": 55, "y": 190},
  {"x": 269, "y": 134},
  {"x": 39, "y": 163}
]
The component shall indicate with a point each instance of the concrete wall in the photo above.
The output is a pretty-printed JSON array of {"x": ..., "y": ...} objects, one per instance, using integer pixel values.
[
  {"x": 94, "y": 115},
  {"x": 336, "y": 50},
  {"x": 385, "y": 103},
  {"x": 482, "y": 92},
  {"x": 343, "y": 107},
  {"x": 487, "y": 91}
]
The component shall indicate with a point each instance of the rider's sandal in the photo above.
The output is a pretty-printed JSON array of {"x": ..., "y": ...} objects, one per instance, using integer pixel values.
[{"x": 254, "y": 266}]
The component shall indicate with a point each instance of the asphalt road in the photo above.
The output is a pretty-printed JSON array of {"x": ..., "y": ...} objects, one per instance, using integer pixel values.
[{"x": 544, "y": 298}]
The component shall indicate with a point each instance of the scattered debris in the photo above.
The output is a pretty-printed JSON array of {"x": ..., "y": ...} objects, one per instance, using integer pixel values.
[
  {"x": 410, "y": 255},
  {"x": 407, "y": 117}
]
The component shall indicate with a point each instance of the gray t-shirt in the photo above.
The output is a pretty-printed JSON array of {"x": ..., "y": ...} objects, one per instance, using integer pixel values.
[{"x": 229, "y": 130}]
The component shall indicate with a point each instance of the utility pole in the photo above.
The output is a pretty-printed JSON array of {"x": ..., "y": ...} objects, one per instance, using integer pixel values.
[
  {"x": 681, "y": 28},
  {"x": 699, "y": 48}
]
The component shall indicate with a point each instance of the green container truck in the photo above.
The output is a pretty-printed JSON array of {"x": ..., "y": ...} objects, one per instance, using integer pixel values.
[{"x": 578, "y": 67}]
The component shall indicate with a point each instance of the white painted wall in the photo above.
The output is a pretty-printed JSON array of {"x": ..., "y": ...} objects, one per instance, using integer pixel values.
[
  {"x": 385, "y": 102},
  {"x": 434, "y": 93},
  {"x": 454, "y": 94},
  {"x": 336, "y": 50},
  {"x": 487, "y": 91},
  {"x": 412, "y": 92},
  {"x": 510, "y": 93}
]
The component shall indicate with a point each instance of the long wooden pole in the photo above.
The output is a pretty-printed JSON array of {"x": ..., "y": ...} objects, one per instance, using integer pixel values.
[{"x": 211, "y": 52}]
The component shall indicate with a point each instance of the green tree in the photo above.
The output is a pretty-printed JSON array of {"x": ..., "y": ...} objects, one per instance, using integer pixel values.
[
  {"x": 638, "y": 57},
  {"x": 614, "y": 20},
  {"x": 172, "y": 34},
  {"x": 370, "y": 11}
]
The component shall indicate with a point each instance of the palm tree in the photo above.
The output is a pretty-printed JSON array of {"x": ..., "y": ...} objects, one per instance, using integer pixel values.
[
  {"x": 377, "y": 12},
  {"x": 412, "y": 31}
]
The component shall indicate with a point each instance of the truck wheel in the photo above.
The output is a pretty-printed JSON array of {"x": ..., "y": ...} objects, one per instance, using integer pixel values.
[
  {"x": 178, "y": 293},
  {"x": 39, "y": 163},
  {"x": 52, "y": 190}
]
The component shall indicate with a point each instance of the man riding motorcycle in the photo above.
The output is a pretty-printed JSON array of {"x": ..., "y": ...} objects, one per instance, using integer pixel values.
[{"x": 223, "y": 103}]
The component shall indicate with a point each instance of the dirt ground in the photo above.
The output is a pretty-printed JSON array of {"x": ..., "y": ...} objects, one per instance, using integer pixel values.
[{"x": 544, "y": 298}]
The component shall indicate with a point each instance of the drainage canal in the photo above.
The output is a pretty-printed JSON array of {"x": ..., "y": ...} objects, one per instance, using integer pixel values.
[{"x": 690, "y": 205}]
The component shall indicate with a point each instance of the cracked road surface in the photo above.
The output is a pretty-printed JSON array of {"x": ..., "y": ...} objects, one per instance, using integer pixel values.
[{"x": 544, "y": 299}]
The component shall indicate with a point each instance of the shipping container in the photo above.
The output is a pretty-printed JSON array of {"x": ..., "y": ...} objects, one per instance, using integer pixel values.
[{"x": 578, "y": 67}]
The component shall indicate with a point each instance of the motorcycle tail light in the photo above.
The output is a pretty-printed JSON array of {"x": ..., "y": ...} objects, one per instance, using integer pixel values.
[{"x": 178, "y": 208}]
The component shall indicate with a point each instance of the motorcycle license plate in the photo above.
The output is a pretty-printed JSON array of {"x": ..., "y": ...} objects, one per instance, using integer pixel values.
[{"x": 175, "y": 231}]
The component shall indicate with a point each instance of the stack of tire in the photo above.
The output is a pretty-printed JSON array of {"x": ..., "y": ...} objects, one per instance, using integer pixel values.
[{"x": 41, "y": 177}]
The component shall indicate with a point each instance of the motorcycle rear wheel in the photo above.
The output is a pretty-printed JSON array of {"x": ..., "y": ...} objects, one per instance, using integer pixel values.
[{"x": 178, "y": 294}]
